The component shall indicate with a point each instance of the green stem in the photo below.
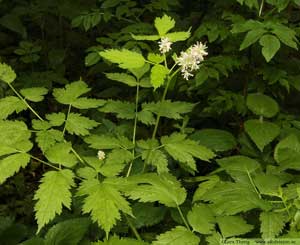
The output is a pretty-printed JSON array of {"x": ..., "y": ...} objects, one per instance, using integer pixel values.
[
  {"x": 261, "y": 7},
  {"x": 134, "y": 230},
  {"x": 183, "y": 219},
  {"x": 134, "y": 126},
  {"x": 25, "y": 102},
  {"x": 69, "y": 110},
  {"x": 77, "y": 155},
  {"x": 252, "y": 183}
]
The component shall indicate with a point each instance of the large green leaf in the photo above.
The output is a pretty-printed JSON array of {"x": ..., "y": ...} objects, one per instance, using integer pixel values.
[
  {"x": 34, "y": 94},
  {"x": 202, "y": 219},
  {"x": 270, "y": 45},
  {"x": 68, "y": 232},
  {"x": 9, "y": 105},
  {"x": 151, "y": 187},
  {"x": 104, "y": 202},
  {"x": 158, "y": 75},
  {"x": 262, "y": 133},
  {"x": 122, "y": 78},
  {"x": 262, "y": 105},
  {"x": 126, "y": 59},
  {"x": 271, "y": 224},
  {"x": 215, "y": 139},
  {"x": 79, "y": 125},
  {"x": 251, "y": 37},
  {"x": 52, "y": 194},
  {"x": 177, "y": 236},
  {"x": 233, "y": 226},
  {"x": 123, "y": 110}
]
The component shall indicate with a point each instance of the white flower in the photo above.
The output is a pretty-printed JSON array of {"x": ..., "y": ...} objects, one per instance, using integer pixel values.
[
  {"x": 101, "y": 155},
  {"x": 190, "y": 59},
  {"x": 164, "y": 45}
]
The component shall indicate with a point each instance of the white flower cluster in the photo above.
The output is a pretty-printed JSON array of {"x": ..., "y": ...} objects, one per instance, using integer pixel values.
[
  {"x": 101, "y": 155},
  {"x": 164, "y": 45},
  {"x": 190, "y": 59}
]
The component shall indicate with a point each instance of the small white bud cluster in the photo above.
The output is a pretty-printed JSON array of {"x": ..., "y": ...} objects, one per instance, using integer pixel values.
[
  {"x": 164, "y": 45},
  {"x": 101, "y": 155},
  {"x": 190, "y": 59}
]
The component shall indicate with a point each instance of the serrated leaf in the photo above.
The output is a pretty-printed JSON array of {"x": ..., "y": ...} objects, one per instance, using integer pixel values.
[
  {"x": 238, "y": 165},
  {"x": 158, "y": 75},
  {"x": 126, "y": 59},
  {"x": 34, "y": 94},
  {"x": 56, "y": 119},
  {"x": 185, "y": 150},
  {"x": 7, "y": 74},
  {"x": 12, "y": 164},
  {"x": 122, "y": 78},
  {"x": 251, "y": 37},
  {"x": 202, "y": 219},
  {"x": 262, "y": 133},
  {"x": 214, "y": 239},
  {"x": 124, "y": 110},
  {"x": 205, "y": 186},
  {"x": 71, "y": 93},
  {"x": 146, "y": 214},
  {"x": 233, "y": 226},
  {"x": 157, "y": 159},
  {"x": 151, "y": 187},
  {"x": 48, "y": 138},
  {"x": 178, "y": 36},
  {"x": 262, "y": 105},
  {"x": 215, "y": 139},
  {"x": 146, "y": 117},
  {"x": 156, "y": 58},
  {"x": 268, "y": 184},
  {"x": 177, "y": 236},
  {"x": 164, "y": 24},
  {"x": 145, "y": 37},
  {"x": 108, "y": 141},
  {"x": 53, "y": 193},
  {"x": 271, "y": 224},
  {"x": 68, "y": 232},
  {"x": 9, "y": 105},
  {"x": 79, "y": 125},
  {"x": 104, "y": 202},
  {"x": 231, "y": 198},
  {"x": 120, "y": 241},
  {"x": 270, "y": 45},
  {"x": 169, "y": 109},
  {"x": 115, "y": 162},
  {"x": 61, "y": 154}
]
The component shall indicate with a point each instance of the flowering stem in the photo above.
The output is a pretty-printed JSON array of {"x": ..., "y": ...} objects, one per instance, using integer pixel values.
[{"x": 25, "y": 102}]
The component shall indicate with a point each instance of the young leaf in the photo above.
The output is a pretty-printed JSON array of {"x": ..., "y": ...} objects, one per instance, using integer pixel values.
[
  {"x": 126, "y": 59},
  {"x": 184, "y": 150},
  {"x": 9, "y": 105},
  {"x": 262, "y": 133},
  {"x": 56, "y": 119},
  {"x": 233, "y": 226},
  {"x": 34, "y": 94},
  {"x": 202, "y": 219},
  {"x": 68, "y": 232},
  {"x": 158, "y": 75},
  {"x": 104, "y": 202},
  {"x": 177, "y": 236},
  {"x": 61, "y": 154},
  {"x": 271, "y": 224},
  {"x": 262, "y": 105},
  {"x": 7, "y": 74},
  {"x": 122, "y": 78},
  {"x": 164, "y": 24},
  {"x": 79, "y": 125},
  {"x": 151, "y": 187},
  {"x": 178, "y": 36},
  {"x": 53, "y": 193},
  {"x": 270, "y": 45}
]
